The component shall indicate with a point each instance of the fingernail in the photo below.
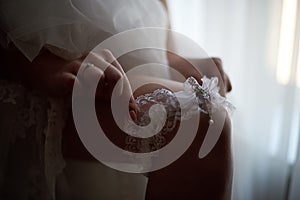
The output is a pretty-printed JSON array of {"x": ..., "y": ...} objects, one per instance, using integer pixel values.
[
  {"x": 133, "y": 115},
  {"x": 134, "y": 106},
  {"x": 137, "y": 108}
]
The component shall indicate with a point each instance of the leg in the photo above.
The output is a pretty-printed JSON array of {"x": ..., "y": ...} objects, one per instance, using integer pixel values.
[{"x": 192, "y": 178}]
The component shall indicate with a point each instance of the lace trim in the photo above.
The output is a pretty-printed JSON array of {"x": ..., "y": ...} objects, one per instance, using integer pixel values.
[
  {"x": 54, "y": 162},
  {"x": 183, "y": 104},
  {"x": 168, "y": 100},
  {"x": 42, "y": 118}
]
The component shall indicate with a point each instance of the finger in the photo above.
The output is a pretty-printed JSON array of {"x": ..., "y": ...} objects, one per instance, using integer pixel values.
[
  {"x": 125, "y": 91},
  {"x": 101, "y": 59},
  {"x": 133, "y": 106},
  {"x": 105, "y": 59},
  {"x": 106, "y": 79},
  {"x": 126, "y": 86},
  {"x": 91, "y": 73},
  {"x": 105, "y": 54},
  {"x": 113, "y": 73},
  {"x": 133, "y": 115},
  {"x": 68, "y": 80},
  {"x": 118, "y": 66},
  {"x": 73, "y": 67},
  {"x": 112, "y": 76},
  {"x": 102, "y": 89},
  {"x": 227, "y": 83},
  {"x": 225, "y": 77},
  {"x": 218, "y": 63}
]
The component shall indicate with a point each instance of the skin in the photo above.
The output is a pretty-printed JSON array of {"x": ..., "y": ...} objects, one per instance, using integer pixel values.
[
  {"x": 188, "y": 177},
  {"x": 192, "y": 178}
]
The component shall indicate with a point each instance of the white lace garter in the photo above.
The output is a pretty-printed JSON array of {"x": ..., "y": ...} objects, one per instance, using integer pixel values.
[{"x": 179, "y": 105}]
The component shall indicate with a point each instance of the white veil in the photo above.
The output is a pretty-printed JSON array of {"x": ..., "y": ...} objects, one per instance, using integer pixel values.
[{"x": 75, "y": 26}]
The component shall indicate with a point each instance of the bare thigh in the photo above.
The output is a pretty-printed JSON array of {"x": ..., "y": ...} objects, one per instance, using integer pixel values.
[
  {"x": 188, "y": 177},
  {"x": 192, "y": 178}
]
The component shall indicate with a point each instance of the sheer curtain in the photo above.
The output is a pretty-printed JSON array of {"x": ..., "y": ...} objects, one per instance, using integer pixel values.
[{"x": 247, "y": 35}]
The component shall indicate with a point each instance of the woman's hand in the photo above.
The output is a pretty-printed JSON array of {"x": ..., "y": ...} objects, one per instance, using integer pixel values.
[
  {"x": 47, "y": 72},
  {"x": 208, "y": 66},
  {"x": 103, "y": 64},
  {"x": 55, "y": 76}
]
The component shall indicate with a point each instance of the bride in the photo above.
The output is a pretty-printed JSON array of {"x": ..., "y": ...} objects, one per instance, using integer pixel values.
[{"x": 42, "y": 157}]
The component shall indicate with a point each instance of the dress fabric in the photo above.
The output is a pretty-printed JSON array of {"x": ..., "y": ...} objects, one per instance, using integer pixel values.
[
  {"x": 31, "y": 124},
  {"x": 74, "y": 26},
  {"x": 30, "y": 149}
]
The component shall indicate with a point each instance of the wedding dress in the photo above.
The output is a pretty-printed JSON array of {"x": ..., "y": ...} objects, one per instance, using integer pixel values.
[{"x": 30, "y": 124}]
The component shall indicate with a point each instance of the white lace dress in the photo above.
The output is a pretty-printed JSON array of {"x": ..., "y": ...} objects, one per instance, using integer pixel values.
[{"x": 31, "y": 124}]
